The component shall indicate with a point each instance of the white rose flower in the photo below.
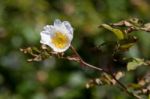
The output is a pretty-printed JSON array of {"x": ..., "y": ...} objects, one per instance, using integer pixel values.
[{"x": 57, "y": 36}]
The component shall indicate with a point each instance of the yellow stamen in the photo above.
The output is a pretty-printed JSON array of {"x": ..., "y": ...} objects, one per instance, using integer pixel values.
[{"x": 60, "y": 40}]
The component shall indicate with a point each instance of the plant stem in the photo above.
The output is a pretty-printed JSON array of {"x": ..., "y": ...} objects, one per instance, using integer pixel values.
[{"x": 100, "y": 69}]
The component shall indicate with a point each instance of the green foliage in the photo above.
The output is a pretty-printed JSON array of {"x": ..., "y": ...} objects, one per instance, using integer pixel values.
[
  {"x": 117, "y": 32},
  {"x": 136, "y": 62}
]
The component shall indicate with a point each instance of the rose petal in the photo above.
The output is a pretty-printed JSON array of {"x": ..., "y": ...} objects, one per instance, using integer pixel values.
[
  {"x": 68, "y": 26},
  {"x": 45, "y": 38},
  {"x": 57, "y": 23},
  {"x": 48, "y": 27}
]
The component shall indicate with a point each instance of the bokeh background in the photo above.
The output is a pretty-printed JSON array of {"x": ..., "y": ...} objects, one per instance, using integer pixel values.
[{"x": 20, "y": 24}]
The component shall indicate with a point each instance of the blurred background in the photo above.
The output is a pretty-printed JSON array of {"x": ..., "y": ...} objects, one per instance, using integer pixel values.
[{"x": 20, "y": 24}]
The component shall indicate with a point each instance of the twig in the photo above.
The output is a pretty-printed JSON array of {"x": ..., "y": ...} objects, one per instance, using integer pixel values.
[
  {"x": 125, "y": 88},
  {"x": 100, "y": 69}
]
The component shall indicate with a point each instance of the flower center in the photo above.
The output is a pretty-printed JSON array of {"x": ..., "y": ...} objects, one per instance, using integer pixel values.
[{"x": 60, "y": 40}]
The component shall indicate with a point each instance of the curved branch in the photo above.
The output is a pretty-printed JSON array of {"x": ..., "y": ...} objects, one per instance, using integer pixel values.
[{"x": 102, "y": 70}]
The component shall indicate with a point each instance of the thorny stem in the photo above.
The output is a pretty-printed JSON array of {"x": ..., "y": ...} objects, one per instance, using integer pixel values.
[{"x": 100, "y": 69}]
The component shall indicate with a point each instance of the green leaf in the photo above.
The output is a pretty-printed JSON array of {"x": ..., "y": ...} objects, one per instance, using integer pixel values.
[
  {"x": 127, "y": 43},
  {"x": 136, "y": 62},
  {"x": 117, "y": 32},
  {"x": 126, "y": 46}
]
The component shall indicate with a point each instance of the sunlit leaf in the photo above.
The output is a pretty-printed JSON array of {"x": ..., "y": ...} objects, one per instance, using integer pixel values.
[
  {"x": 136, "y": 62},
  {"x": 117, "y": 32}
]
